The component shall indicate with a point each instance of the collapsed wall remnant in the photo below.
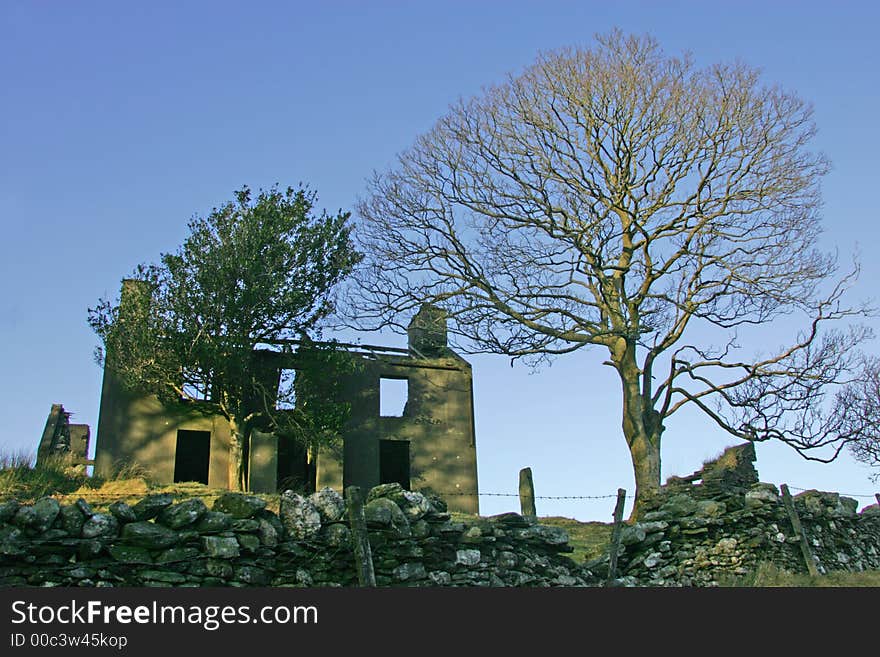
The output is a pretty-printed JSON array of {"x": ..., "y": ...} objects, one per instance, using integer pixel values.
[
  {"x": 426, "y": 443},
  {"x": 60, "y": 437}
]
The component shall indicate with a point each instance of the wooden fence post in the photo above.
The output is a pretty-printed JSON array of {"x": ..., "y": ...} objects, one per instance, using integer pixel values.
[
  {"x": 615, "y": 534},
  {"x": 360, "y": 540},
  {"x": 527, "y": 493},
  {"x": 799, "y": 530}
]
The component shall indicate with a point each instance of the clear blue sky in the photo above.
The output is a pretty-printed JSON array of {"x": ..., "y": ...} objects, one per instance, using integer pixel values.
[{"x": 119, "y": 121}]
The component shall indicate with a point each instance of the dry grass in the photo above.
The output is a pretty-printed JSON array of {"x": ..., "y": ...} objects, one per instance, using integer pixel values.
[
  {"x": 55, "y": 477},
  {"x": 589, "y": 539},
  {"x": 768, "y": 575},
  {"x": 21, "y": 479}
]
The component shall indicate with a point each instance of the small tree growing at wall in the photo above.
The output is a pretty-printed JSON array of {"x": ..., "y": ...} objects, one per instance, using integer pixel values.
[
  {"x": 256, "y": 270},
  {"x": 625, "y": 200}
]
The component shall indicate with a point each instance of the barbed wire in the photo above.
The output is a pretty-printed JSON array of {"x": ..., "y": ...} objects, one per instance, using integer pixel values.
[
  {"x": 537, "y": 497},
  {"x": 803, "y": 490},
  {"x": 218, "y": 493}
]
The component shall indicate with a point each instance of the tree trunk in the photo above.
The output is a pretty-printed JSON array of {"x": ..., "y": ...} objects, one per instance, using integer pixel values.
[
  {"x": 642, "y": 427},
  {"x": 236, "y": 456},
  {"x": 645, "y": 454}
]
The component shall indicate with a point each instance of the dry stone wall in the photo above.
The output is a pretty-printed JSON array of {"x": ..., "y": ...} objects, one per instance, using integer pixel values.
[
  {"x": 721, "y": 524},
  {"x": 238, "y": 542},
  {"x": 716, "y": 526}
]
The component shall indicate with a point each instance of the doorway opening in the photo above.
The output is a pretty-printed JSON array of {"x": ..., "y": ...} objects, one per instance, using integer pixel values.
[
  {"x": 192, "y": 457},
  {"x": 394, "y": 462}
]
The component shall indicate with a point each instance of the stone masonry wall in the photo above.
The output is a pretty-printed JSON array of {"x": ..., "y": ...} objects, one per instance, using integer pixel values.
[
  {"x": 715, "y": 526},
  {"x": 720, "y": 524},
  {"x": 158, "y": 542}
]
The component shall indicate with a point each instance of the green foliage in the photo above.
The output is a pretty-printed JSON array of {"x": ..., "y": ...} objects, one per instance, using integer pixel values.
[
  {"x": 254, "y": 271},
  {"x": 320, "y": 412}
]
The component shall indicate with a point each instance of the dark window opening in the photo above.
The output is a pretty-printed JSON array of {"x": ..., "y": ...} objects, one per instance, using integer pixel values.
[
  {"x": 394, "y": 462},
  {"x": 192, "y": 457},
  {"x": 393, "y": 397}
]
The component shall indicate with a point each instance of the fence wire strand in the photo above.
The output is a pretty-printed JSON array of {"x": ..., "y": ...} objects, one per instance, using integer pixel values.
[{"x": 217, "y": 493}]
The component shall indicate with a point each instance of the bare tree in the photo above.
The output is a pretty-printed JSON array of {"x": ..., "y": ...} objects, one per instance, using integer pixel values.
[{"x": 621, "y": 198}]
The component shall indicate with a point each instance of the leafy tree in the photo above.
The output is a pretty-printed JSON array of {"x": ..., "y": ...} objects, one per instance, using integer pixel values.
[
  {"x": 253, "y": 272},
  {"x": 620, "y": 198}
]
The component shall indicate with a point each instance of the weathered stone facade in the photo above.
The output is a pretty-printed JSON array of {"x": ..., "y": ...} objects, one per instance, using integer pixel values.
[
  {"x": 429, "y": 444},
  {"x": 159, "y": 542}
]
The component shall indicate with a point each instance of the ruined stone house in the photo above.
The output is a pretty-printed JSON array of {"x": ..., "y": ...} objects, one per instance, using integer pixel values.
[{"x": 427, "y": 442}]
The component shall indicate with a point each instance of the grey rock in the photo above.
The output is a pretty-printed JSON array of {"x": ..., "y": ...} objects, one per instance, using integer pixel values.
[
  {"x": 212, "y": 522},
  {"x": 382, "y": 512},
  {"x": 652, "y": 526},
  {"x": 555, "y": 536},
  {"x": 378, "y": 514},
  {"x": 680, "y": 505},
  {"x": 409, "y": 571},
  {"x": 122, "y": 512},
  {"x": 163, "y": 576},
  {"x": 760, "y": 494},
  {"x": 507, "y": 559},
  {"x": 329, "y": 504},
  {"x": 220, "y": 547},
  {"x": 653, "y": 559},
  {"x": 512, "y": 519},
  {"x": 177, "y": 555},
  {"x": 239, "y": 505},
  {"x": 218, "y": 568},
  {"x": 467, "y": 557},
  {"x": 100, "y": 524},
  {"x": 149, "y": 535},
  {"x": 299, "y": 516},
  {"x": 25, "y": 517},
  {"x": 420, "y": 529},
  {"x": 82, "y": 573},
  {"x": 151, "y": 506},
  {"x": 85, "y": 507},
  {"x": 89, "y": 549},
  {"x": 385, "y": 490},
  {"x": 246, "y": 525},
  {"x": 414, "y": 505},
  {"x": 251, "y": 575},
  {"x": 130, "y": 554},
  {"x": 632, "y": 534},
  {"x": 848, "y": 506},
  {"x": 182, "y": 514},
  {"x": 710, "y": 509},
  {"x": 12, "y": 541},
  {"x": 336, "y": 535},
  {"x": 440, "y": 578},
  {"x": 45, "y": 512},
  {"x": 248, "y": 542},
  {"x": 267, "y": 533},
  {"x": 272, "y": 519}
]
